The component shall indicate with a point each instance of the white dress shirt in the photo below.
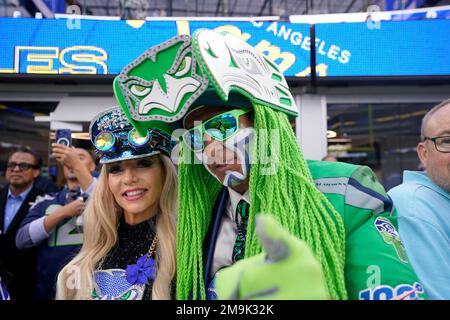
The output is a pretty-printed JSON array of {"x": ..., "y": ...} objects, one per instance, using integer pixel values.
[{"x": 227, "y": 232}]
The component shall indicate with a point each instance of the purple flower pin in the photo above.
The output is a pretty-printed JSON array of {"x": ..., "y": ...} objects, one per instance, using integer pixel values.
[{"x": 142, "y": 271}]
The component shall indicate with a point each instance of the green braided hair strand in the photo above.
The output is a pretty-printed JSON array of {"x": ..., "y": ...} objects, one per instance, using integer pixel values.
[
  {"x": 292, "y": 197},
  {"x": 198, "y": 191}
]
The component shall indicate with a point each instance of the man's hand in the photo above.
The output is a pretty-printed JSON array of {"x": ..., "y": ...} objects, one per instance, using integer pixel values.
[
  {"x": 70, "y": 210},
  {"x": 287, "y": 269},
  {"x": 74, "y": 208},
  {"x": 78, "y": 161},
  {"x": 66, "y": 156}
]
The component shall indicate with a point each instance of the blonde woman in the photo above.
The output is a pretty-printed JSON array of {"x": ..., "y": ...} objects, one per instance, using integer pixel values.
[{"x": 130, "y": 219}]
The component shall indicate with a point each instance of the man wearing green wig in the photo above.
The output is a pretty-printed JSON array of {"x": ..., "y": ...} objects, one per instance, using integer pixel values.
[{"x": 257, "y": 221}]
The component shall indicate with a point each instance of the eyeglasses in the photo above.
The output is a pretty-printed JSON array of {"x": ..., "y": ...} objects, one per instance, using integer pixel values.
[
  {"x": 442, "y": 144},
  {"x": 22, "y": 166},
  {"x": 108, "y": 141},
  {"x": 220, "y": 127}
]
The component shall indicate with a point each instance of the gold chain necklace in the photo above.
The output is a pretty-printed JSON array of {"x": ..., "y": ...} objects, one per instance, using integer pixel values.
[{"x": 152, "y": 247}]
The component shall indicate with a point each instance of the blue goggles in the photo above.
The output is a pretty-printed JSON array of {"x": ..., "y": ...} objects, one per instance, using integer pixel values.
[{"x": 108, "y": 143}]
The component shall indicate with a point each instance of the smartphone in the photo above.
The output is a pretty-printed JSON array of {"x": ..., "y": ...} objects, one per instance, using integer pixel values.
[{"x": 64, "y": 137}]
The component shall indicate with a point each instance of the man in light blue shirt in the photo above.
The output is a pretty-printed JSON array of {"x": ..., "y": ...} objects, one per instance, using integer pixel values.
[
  {"x": 15, "y": 200},
  {"x": 423, "y": 205},
  {"x": 22, "y": 169}
]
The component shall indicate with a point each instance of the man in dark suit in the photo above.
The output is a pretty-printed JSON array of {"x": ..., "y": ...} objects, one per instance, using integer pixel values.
[{"x": 15, "y": 200}]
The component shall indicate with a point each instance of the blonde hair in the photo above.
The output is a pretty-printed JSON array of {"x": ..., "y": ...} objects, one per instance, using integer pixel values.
[{"x": 101, "y": 218}]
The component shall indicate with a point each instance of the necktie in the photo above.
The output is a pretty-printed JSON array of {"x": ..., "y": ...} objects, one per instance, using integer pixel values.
[{"x": 241, "y": 218}]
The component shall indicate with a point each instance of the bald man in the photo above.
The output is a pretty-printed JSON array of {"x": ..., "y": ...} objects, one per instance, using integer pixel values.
[
  {"x": 423, "y": 205},
  {"x": 51, "y": 224}
]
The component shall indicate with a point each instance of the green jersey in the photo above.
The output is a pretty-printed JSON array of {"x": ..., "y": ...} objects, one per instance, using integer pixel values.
[{"x": 376, "y": 266}]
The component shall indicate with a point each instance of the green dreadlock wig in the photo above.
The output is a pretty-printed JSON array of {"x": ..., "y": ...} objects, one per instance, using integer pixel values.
[
  {"x": 289, "y": 194},
  {"x": 166, "y": 82}
]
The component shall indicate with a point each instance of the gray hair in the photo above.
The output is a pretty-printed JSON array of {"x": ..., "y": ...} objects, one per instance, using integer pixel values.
[{"x": 429, "y": 114}]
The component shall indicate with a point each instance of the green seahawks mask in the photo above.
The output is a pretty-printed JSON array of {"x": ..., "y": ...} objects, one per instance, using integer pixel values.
[
  {"x": 160, "y": 85},
  {"x": 167, "y": 80}
]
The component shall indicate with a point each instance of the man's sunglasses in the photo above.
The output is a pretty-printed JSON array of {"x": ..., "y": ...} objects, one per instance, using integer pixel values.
[
  {"x": 22, "y": 166},
  {"x": 220, "y": 128}
]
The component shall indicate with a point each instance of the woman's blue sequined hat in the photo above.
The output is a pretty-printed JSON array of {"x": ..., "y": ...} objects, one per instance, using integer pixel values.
[{"x": 115, "y": 139}]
